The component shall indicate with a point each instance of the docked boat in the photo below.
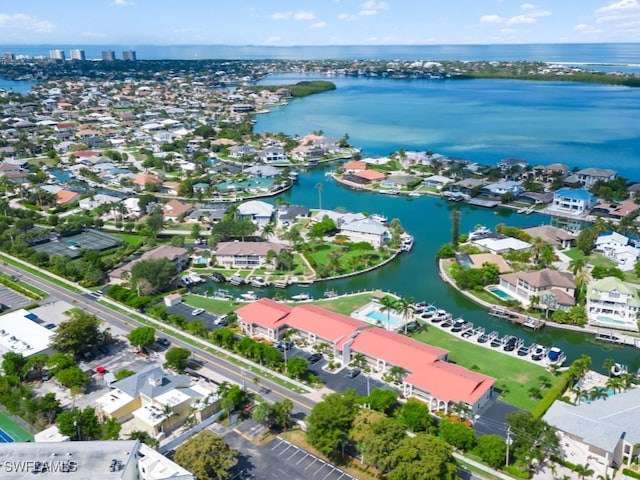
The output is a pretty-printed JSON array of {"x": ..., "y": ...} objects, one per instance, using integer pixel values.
[
  {"x": 497, "y": 341},
  {"x": 407, "y": 243},
  {"x": 618, "y": 369},
  {"x": 510, "y": 343},
  {"x": 448, "y": 323},
  {"x": 525, "y": 350},
  {"x": 330, "y": 294},
  {"x": 555, "y": 356},
  {"x": 258, "y": 282},
  {"x": 458, "y": 325},
  {"x": 294, "y": 176},
  {"x": 279, "y": 284},
  {"x": 222, "y": 294},
  {"x": 195, "y": 278},
  {"x": 236, "y": 279},
  {"x": 301, "y": 297},
  {"x": 538, "y": 352},
  {"x": 217, "y": 277},
  {"x": 249, "y": 296}
]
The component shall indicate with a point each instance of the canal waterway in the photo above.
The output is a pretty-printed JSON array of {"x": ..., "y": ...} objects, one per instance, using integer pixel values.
[{"x": 416, "y": 274}]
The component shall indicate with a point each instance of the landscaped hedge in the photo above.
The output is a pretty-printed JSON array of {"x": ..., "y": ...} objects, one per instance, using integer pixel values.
[
  {"x": 515, "y": 471},
  {"x": 630, "y": 473},
  {"x": 552, "y": 395}
]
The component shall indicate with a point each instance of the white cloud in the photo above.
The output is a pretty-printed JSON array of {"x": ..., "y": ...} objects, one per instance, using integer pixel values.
[
  {"x": 373, "y": 5},
  {"x": 528, "y": 6},
  {"x": 319, "y": 25},
  {"x": 22, "y": 21},
  {"x": 274, "y": 39},
  {"x": 345, "y": 16},
  {"x": 521, "y": 19},
  {"x": 121, "y": 3},
  {"x": 620, "y": 5},
  {"x": 539, "y": 13},
  {"x": 582, "y": 27},
  {"x": 300, "y": 15},
  {"x": 367, "y": 13},
  {"x": 491, "y": 19}
]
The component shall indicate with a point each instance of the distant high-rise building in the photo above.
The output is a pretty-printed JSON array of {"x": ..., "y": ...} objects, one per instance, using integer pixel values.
[
  {"x": 9, "y": 56},
  {"x": 77, "y": 54},
  {"x": 108, "y": 55},
  {"x": 129, "y": 55},
  {"x": 56, "y": 54}
]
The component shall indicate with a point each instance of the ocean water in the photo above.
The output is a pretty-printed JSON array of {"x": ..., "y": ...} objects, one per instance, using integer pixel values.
[
  {"x": 604, "y": 53},
  {"x": 582, "y": 125}
]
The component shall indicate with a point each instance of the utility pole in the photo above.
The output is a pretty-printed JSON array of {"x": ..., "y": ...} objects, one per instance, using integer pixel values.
[{"x": 508, "y": 444}]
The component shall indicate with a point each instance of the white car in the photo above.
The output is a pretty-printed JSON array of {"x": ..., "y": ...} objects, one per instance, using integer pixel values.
[{"x": 197, "y": 311}]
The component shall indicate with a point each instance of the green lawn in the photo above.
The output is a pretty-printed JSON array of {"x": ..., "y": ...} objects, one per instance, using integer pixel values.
[
  {"x": 344, "y": 305},
  {"x": 211, "y": 305},
  {"x": 514, "y": 377}
]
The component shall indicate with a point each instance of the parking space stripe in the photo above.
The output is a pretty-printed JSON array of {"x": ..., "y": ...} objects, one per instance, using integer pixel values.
[
  {"x": 293, "y": 454},
  {"x": 314, "y": 461},
  {"x": 277, "y": 445},
  {"x": 323, "y": 465},
  {"x": 332, "y": 470},
  {"x": 303, "y": 458}
]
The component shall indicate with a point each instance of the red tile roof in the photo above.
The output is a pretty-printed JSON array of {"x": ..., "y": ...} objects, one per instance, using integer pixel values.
[
  {"x": 355, "y": 165},
  {"x": 264, "y": 312},
  {"x": 396, "y": 349},
  {"x": 451, "y": 382},
  {"x": 329, "y": 326},
  {"x": 370, "y": 175},
  {"x": 65, "y": 196}
]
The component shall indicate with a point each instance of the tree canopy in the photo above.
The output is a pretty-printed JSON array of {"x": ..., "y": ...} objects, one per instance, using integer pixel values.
[
  {"x": 142, "y": 337},
  {"x": 79, "y": 424},
  {"x": 177, "y": 358},
  {"x": 79, "y": 335},
  {"x": 206, "y": 456},
  {"x": 152, "y": 275}
]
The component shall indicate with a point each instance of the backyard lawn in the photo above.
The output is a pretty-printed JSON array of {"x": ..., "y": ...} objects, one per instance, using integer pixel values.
[
  {"x": 514, "y": 377},
  {"x": 345, "y": 305}
]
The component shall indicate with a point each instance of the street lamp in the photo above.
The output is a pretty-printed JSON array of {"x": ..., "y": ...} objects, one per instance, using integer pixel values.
[{"x": 508, "y": 442}]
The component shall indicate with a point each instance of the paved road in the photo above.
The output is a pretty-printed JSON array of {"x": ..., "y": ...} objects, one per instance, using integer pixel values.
[{"x": 91, "y": 304}]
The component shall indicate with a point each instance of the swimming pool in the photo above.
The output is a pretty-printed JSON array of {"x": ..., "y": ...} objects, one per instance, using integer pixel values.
[
  {"x": 498, "y": 292},
  {"x": 371, "y": 313},
  {"x": 585, "y": 398},
  {"x": 609, "y": 320}
]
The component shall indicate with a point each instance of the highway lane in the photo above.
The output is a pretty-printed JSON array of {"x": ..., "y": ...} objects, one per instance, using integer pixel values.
[{"x": 91, "y": 304}]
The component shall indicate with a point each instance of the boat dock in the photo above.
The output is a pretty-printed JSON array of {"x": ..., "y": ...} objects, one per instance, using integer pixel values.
[
  {"x": 513, "y": 317},
  {"x": 476, "y": 202}
]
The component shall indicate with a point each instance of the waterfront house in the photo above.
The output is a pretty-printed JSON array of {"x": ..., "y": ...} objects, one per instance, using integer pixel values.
[
  {"x": 437, "y": 182},
  {"x": 428, "y": 376},
  {"x": 141, "y": 179},
  {"x": 510, "y": 163},
  {"x": 65, "y": 197},
  {"x": 95, "y": 201},
  {"x": 554, "y": 236},
  {"x": 366, "y": 230},
  {"x": 617, "y": 247},
  {"x": 245, "y": 254},
  {"x": 257, "y": 211},
  {"x": 589, "y": 176},
  {"x": 368, "y": 176},
  {"x": 239, "y": 151},
  {"x": 477, "y": 260},
  {"x": 273, "y": 154},
  {"x": 523, "y": 286},
  {"x": 497, "y": 244},
  {"x": 354, "y": 166},
  {"x": 500, "y": 188},
  {"x": 572, "y": 201},
  {"x": 605, "y": 431},
  {"x": 612, "y": 303}
]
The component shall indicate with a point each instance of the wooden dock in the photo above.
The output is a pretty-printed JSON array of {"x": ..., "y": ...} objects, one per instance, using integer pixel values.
[{"x": 518, "y": 318}]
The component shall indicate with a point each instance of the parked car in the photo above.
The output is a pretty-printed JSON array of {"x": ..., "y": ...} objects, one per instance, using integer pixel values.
[
  {"x": 221, "y": 320},
  {"x": 283, "y": 345},
  {"x": 314, "y": 358},
  {"x": 197, "y": 311},
  {"x": 353, "y": 373},
  {"x": 163, "y": 341}
]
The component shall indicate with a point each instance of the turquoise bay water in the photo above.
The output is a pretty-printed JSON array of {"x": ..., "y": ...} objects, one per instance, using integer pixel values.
[{"x": 481, "y": 120}]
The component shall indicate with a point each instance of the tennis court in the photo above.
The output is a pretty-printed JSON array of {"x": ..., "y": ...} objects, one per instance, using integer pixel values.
[
  {"x": 71, "y": 245},
  {"x": 12, "y": 432}
]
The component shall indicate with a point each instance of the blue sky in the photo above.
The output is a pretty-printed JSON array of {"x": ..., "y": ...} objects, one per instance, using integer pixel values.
[{"x": 317, "y": 22}]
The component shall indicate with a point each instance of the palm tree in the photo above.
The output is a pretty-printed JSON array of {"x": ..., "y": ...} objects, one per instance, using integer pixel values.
[
  {"x": 584, "y": 471},
  {"x": 397, "y": 373},
  {"x": 577, "y": 264},
  {"x": 578, "y": 392},
  {"x": 537, "y": 244},
  {"x": 319, "y": 187},
  {"x": 608, "y": 365},
  {"x": 462, "y": 409},
  {"x": 628, "y": 381},
  {"x": 597, "y": 393},
  {"x": 268, "y": 230},
  {"x": 404, "y": 305},
  {"x": 615, "y": 383},
  {"x": 387, "y": 305}
]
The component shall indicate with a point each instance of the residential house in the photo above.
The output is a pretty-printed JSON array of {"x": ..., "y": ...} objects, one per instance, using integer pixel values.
[
  {"x": 437, "y": 181},
  {"x": 273, "y": 155},
  {"x": 157, "y": 401},
  {"x": 555, "y": 236},
  {"x": 257, "y": 211},
  {"x": 606, "y": 431},
  {"x": 65, "y": 197},
  {"x": 589, "y": 176},
  {"x": 239, "y": 151},
  {"x": 366, "y": 176},
  {"x": 141, "y": 179},
  {"x": 497, "y": 244},
  {"x": 572, "y": 201},
  {"x": 288, "y": 214},
  {"x": 245, "y": 254},
  {"x": 617, "y": 247},
  {"x": 366, "y": 230},
  {"x": 524, "y": 286},
  {"x": 500, "y": 188},
  {"x": 510, "y": 163},
  {"x": 179, "y": 256},
  {"x": 612, "y": 303},
  {"x": 175, "y": 209},
  {"x": 95, "y": 201},
  {"x": 354, "y": 166}
]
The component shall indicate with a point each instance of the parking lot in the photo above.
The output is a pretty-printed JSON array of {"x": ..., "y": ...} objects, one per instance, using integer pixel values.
[
  {"x": 338, "y": 381},
  {"x": 206, "y": 318},
  {"x": 11, "y": 299},
  {"x": 279, "y": 460}
]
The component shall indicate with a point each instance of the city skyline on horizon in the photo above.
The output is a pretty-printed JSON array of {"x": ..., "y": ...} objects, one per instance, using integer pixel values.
[{"x": 288, "y": 23}]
